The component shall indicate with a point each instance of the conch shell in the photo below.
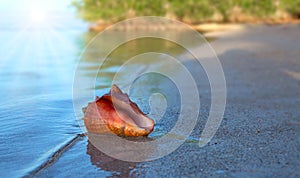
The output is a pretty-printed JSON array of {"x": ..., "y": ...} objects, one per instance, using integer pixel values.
[{"x": 116, "y": 113}]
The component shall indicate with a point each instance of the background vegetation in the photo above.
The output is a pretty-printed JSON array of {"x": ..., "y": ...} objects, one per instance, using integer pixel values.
[{"x": 190, "y": 11}]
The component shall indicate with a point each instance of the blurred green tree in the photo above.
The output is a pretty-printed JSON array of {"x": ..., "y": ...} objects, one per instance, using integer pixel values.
[{"x": 193, "y": 11}]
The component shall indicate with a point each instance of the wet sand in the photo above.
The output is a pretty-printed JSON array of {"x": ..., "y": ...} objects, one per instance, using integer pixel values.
[{"x": 259, "y": 134}]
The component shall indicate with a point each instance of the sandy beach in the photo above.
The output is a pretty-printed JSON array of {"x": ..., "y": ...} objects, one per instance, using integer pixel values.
[
  {"x": 54, "y": 63},
  {"x": 259, "y": 134}
]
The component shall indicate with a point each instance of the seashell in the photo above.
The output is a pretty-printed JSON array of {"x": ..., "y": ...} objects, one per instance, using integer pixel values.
[{"x": 115, "y": 112}]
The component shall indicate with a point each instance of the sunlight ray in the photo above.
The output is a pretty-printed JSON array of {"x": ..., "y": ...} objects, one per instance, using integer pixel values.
[
  {"x": 18, "y": 35},
  {"x": 9, "y": 48},
  {"x": 25, "y": 53},
  {"x": 68, "y": 45},
  {"x": 21, "y": 64},
  {"x": 9, "y": 57},
  {"x": 58, "y": 24},
  {"x": 56, "y": 59}
]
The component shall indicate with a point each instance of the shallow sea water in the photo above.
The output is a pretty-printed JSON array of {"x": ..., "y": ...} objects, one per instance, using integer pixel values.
[
  {"x": 36, "y": 74},
  {"x": 36, "y": 108}
]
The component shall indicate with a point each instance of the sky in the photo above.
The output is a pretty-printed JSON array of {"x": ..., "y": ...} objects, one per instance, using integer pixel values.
[
  {"x": 16, "y": 13},
  {"x": 30, "y": 5},
  {"x": 35, "y": 32}
]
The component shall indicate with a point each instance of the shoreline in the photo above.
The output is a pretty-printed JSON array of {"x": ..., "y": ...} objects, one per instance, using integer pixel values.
[
  {"x": 205, "y": 27},
  {"x": 258, "y": 135}
]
